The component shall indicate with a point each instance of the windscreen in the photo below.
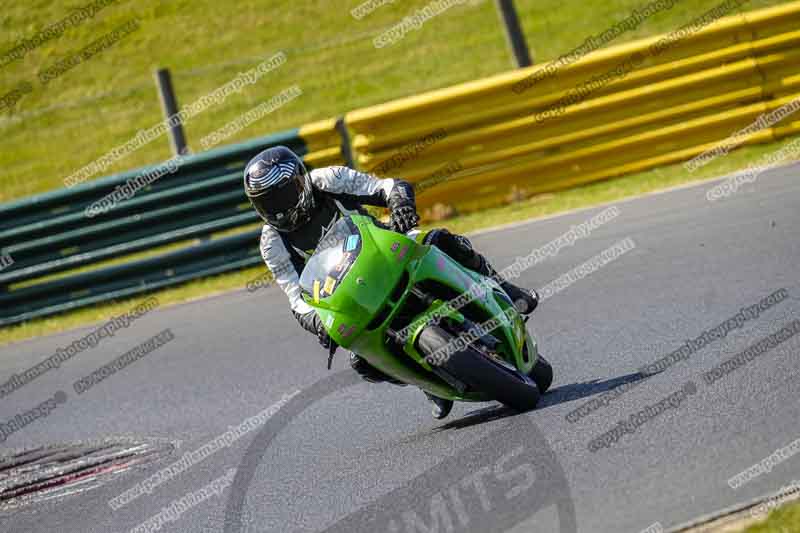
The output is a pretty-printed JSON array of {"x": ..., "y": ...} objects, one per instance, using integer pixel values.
[{"x": 333, "y": 257}]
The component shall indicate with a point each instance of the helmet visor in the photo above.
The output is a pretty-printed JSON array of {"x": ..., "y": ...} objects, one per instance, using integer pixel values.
[{"x": 280, "y": 207}]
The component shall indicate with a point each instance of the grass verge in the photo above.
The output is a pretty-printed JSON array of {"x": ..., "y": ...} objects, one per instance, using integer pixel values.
[
  {"x": 538, "y": 206},
  {"x": 60, "y": 126},
  {"x": 784, "y": 519}
]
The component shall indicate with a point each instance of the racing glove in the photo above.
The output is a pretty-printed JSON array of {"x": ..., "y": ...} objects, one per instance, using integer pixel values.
[
  {"x": 404, "y": 219},
  {"x": 403, "y": 208},
  {"x": 312, "y": 323}
]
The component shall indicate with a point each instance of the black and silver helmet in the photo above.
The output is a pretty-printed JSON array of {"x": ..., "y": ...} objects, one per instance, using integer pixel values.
[{"x": 279, "y": 187}]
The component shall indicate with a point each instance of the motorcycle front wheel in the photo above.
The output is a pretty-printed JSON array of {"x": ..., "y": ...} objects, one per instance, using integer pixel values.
[{"x": 481, "y": 372}]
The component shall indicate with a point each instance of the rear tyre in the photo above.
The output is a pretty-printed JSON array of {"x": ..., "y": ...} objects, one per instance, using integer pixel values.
[
  {"x": 480, "y": 372},
  {"x": 542, "y": 374}
]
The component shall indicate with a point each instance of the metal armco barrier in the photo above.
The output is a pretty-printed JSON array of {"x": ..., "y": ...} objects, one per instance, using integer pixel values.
[
  {"x": 50, "y": 235},
  {"x": 614, "y": 111}
]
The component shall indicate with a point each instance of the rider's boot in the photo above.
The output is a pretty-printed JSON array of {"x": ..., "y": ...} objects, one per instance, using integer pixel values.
[
  {"x": 441, "y": 407},
  {"x": 525, "y": 300}
]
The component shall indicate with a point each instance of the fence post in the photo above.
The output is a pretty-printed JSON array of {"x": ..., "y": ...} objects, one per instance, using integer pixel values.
[
  {"x": 514, "y": 35},
  {"x": 169, "y": 105},
  {"x": 347, "y": 150}
]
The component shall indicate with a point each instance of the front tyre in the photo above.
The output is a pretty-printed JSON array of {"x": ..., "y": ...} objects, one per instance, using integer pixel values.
[{"x": 480, "y": 372}]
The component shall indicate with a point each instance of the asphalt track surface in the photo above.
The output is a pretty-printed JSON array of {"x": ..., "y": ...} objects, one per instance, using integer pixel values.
[{"x": 344, "y": 455}]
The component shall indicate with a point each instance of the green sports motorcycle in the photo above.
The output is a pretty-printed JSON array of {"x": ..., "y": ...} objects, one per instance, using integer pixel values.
[{"x": 420, "y": 317}]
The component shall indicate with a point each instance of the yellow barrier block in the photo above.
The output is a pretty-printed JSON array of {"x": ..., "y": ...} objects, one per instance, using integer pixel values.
[
  {"x": 453, "y": 118},
  {"x": 627, "y": 107},
  {"x": 787, "y": 130},
  {"x": 706, "y": 131},
  {"x": 487, "y": 196},
  {"x": 571, "y": 142},
  {"x": 774, "y": 20},
  {"x": 722, "y": 33},
  {"x": 320, "y": 135},
  {"x": 620, "y": 108},
  {"x": 327, "y": 157}
]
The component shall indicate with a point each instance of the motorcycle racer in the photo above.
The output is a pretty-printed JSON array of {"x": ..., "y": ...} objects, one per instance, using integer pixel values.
[{"x": 298, "y": 206}]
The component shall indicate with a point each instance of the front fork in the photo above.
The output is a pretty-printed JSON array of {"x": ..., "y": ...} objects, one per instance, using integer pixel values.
[
  {"x": 438, "y": 311},
  {"x": 489, "y": 345}
]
